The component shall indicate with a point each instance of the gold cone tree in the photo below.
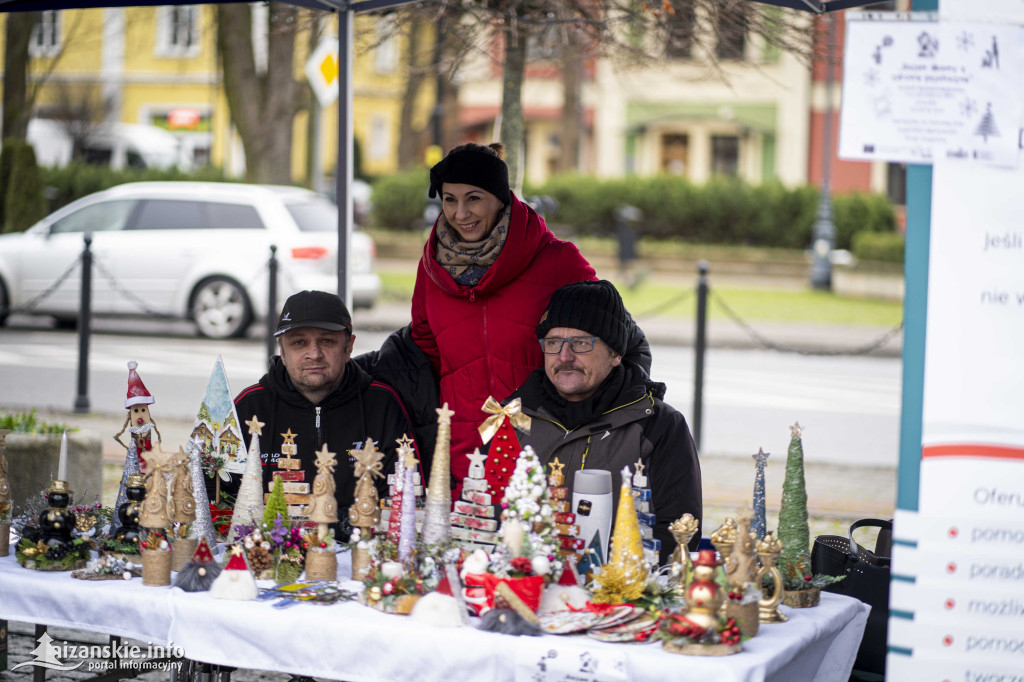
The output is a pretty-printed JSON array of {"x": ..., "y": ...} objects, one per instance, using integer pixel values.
[{"x": 624, "y": 576}]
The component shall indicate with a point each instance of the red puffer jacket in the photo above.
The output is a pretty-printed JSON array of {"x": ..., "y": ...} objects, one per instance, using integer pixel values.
[{"x": 482, "y": 340}]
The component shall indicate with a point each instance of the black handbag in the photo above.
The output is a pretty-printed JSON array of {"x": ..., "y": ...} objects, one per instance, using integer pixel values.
[{"x": 866, "y": 578}]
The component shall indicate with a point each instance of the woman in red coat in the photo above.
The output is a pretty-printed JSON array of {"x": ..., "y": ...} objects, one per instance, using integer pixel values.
[{"x": 486, "y": 274}]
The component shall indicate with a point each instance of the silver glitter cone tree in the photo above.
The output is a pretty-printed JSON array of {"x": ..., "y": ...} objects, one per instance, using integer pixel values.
[
  {"x": 437, "y": 526},
  {"x": 131, "y": 467},
  {"x": 249, "y": 503},
  {"x": 203, "y": 525},
  {"x": 760, "y": 523}
]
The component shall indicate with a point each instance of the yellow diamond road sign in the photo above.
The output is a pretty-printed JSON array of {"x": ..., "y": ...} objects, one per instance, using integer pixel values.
[{"x": 322, "y": 71}]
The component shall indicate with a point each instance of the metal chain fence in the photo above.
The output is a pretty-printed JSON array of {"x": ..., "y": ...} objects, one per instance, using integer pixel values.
[
  {"x": 771, "y": 345},
  {"x": 27, "y": 306}
]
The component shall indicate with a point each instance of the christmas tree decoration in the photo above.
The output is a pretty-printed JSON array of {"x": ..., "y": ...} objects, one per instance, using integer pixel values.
[
  {"x": 215, "y": 430},
  {"x": 249, "y": 503},
  {"x": 407, "y": 530},
  {"x": 700, "y": 631},
  {"x": 6, "y": 505},
  {"x": 200, "y": 572},
  {"x": 157, "y": 506},
  {"x": 527, "y": 505},
  {"x": 624, "y": 576},
  {"x": 500, "y": 430},
  {"x": 390, "y": 506},
  {"x": 183, "y": 514},
  {"x": 476, "y": 516},
  {"x": 593, "y": 558},
  {"x": 642, "y": 501},
  {"x": 235, "y": 581},
  {"x": 768, "y": 551},
  {"x": 437, "y": 525},
  {"x": 803, "y": 589},
  {"x": 297, "y": 492},
  {"x": 569, "y": 540},
  {"x": 759, "y": 525},
  {"x": 323, "y": 509},
  {"x": 364, "y": 512},
  {"x": 138, "y": 422},
  {"x": 276, "y": 506}
]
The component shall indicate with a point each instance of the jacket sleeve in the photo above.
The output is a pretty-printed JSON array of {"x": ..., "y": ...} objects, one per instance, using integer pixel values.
[
  {"x": 401, "y": 364},
  {"x": 420, "y": 329},
  {"x": 674, "y": 474}
]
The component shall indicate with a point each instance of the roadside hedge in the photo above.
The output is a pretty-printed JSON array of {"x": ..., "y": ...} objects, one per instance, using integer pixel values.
[
  {"x": 23, "y": 202},
  {"x": 885, "y": 247},
  {"x": 399, "y": 200}
]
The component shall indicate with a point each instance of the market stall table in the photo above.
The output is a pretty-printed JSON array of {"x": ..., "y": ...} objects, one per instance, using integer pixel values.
[{"x": 353, "y": 642}]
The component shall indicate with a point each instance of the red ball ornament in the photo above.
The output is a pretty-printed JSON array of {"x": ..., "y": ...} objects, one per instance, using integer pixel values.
[
  {"x": 388, "y": 588},
  {"x": 323, "y": 545}
]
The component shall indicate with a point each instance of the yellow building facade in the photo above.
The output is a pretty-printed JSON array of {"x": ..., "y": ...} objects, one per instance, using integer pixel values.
[{"x": 159, "y": 66}]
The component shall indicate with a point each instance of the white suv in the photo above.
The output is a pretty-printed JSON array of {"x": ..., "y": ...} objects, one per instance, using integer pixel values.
[{"x": 185, "y": 250}]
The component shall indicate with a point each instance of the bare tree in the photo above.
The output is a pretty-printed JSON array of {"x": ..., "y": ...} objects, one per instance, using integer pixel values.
[{"x": 263, "y": 105}]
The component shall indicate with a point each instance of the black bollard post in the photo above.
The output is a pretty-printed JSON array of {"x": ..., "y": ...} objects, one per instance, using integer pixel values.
[
  {"x": 84, "y": 325},
  {"x": 271, "y": 302},
  {"x": 699, "y": 346}
]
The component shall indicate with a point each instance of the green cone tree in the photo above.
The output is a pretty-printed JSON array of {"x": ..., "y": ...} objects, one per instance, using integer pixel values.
[
  {"x": 276, "y": 504},
  {"x": 794, "y": 530}
]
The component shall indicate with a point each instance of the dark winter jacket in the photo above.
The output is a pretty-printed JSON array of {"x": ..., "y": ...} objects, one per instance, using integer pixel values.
[
  {"x": 361, "y": 408},
  {"x": 481, "y": 340},
  {"x": 640, "y": 426}
]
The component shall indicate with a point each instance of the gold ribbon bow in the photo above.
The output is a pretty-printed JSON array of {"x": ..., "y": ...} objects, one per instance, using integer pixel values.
[{"x": 498, "y": 414}]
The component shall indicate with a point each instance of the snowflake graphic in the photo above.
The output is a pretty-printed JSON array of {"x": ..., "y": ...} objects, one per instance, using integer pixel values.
[
  {"x": 965, "y": 41},
  {"x": 968, "y": 107}
]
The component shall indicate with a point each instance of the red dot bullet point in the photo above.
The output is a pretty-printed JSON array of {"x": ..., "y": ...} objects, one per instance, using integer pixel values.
[
  {"x": 947, "y": 640},
  {"x": 950, "y": 603},
  {"x": 953, "y": 532},
  {"x": 951, "y": 567}
]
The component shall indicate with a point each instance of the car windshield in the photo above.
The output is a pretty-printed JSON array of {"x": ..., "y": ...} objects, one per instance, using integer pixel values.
[{"x": 318, "y": 215}]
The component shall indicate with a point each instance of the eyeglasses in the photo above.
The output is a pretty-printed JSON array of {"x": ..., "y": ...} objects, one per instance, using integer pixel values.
[{"x": 578, "y": 344}]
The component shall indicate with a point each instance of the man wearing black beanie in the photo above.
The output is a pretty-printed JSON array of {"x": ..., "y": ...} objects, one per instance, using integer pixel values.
[{"x": 593, "y": 409}]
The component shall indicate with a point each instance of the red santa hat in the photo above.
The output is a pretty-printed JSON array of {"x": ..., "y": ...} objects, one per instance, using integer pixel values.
[
  {"x": 237, "y": 560},
  {"x": 203, "y": 554},
  {"x": 137, "y": 393}
]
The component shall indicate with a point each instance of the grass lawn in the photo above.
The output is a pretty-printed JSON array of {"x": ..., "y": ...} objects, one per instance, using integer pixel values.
[{"x": 750, "y": 303}]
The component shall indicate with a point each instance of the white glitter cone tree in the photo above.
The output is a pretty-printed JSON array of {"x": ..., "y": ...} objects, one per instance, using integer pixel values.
[
  {"x": 437, "y": 525},
  {"x": 249, "y": 503}
]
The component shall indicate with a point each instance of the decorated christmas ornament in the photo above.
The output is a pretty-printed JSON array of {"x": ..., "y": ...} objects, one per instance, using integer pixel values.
[
  {"x": 184, "y": 511},
  {"x": 139, "y": 423},
  {"x": 365, "y": 512},
  {"x": 569, "y": 540},
  {"x": 624, "y": 575},
  {"x": 527, "y": 516},
  {"x": 759, "y": 525},
  {"x": 128, "y": 511},
  {"x": 682, "y": 529},
  {"x": 475, "y": 520},
  {"x": 768, "y": 552},
  {"x": 437, "y": 515},
  {"x": 235, "y": 581},
  {"x": 500, "y": 430},
  {"x": 5, "y": 498},
  {"x": 157, "y": 507},
  {"x": 700, "y": 630},
  {"x": 249, "y": 503},
  {"x": 200, "y": 572}
]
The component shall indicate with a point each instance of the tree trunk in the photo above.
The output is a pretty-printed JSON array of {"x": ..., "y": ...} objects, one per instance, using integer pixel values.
[
  {"x": 410, "y": 139},
  {"x": 513, "y": 128},
  {"x": 572, "y": 108},
  {"x": 262, "y": 107},
  {"x": 17, "y": 108}
]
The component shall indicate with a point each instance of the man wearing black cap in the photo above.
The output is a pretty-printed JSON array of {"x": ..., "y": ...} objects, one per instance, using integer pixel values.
[
  {"x": 317, "y": 396},
  {"x": 594, "y": 410}
]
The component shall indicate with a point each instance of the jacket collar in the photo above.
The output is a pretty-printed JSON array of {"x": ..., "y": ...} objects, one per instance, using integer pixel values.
[
  {"x": 527, "y": 233},
  {"x": 634, "y": 402}
]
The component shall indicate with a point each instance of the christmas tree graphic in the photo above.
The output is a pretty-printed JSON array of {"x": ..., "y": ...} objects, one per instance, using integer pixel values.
[
  {"x": 987, "y": 127},
  {"x": 46, "y": 656}
]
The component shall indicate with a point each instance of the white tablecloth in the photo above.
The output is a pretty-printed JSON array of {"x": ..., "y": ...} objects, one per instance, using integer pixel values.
[{"x": 352, "y": 642}]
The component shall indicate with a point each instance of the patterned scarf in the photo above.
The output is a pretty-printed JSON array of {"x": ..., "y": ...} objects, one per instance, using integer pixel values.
[{"x": 467, "y": 262}]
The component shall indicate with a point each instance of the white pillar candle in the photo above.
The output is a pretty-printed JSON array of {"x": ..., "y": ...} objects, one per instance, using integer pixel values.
[
  {"x": 391, "y": 569},
  {"x": 62, "y": 463}
]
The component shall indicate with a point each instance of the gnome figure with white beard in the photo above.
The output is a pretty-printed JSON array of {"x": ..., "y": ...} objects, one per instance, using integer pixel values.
[{"x": 236, "y": 580}]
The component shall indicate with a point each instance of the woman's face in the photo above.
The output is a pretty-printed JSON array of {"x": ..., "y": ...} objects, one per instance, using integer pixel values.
[{"x": 472, "y": 211}]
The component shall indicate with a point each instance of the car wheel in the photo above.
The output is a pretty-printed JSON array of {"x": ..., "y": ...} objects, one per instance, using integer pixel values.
[
  {"x": 3, "y": 303},
  {"x": 221, "y": 308}
]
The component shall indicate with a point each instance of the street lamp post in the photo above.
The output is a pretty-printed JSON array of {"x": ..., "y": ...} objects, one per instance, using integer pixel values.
[{"x": 824, "y": 229}]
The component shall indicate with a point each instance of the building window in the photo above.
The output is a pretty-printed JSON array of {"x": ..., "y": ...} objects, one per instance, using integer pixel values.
[
  {"x": 177, "y": 31},
  {"x": 731, "y": 29},
  {"x": 46, "y": 36},
  {"x": 675, "y": 152},
  {"x": 386, "y": 53},
  {"x": 725, "y": 155},
  {"x": 679, "y": 30},
  {"x": 380, "y": 138}
]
